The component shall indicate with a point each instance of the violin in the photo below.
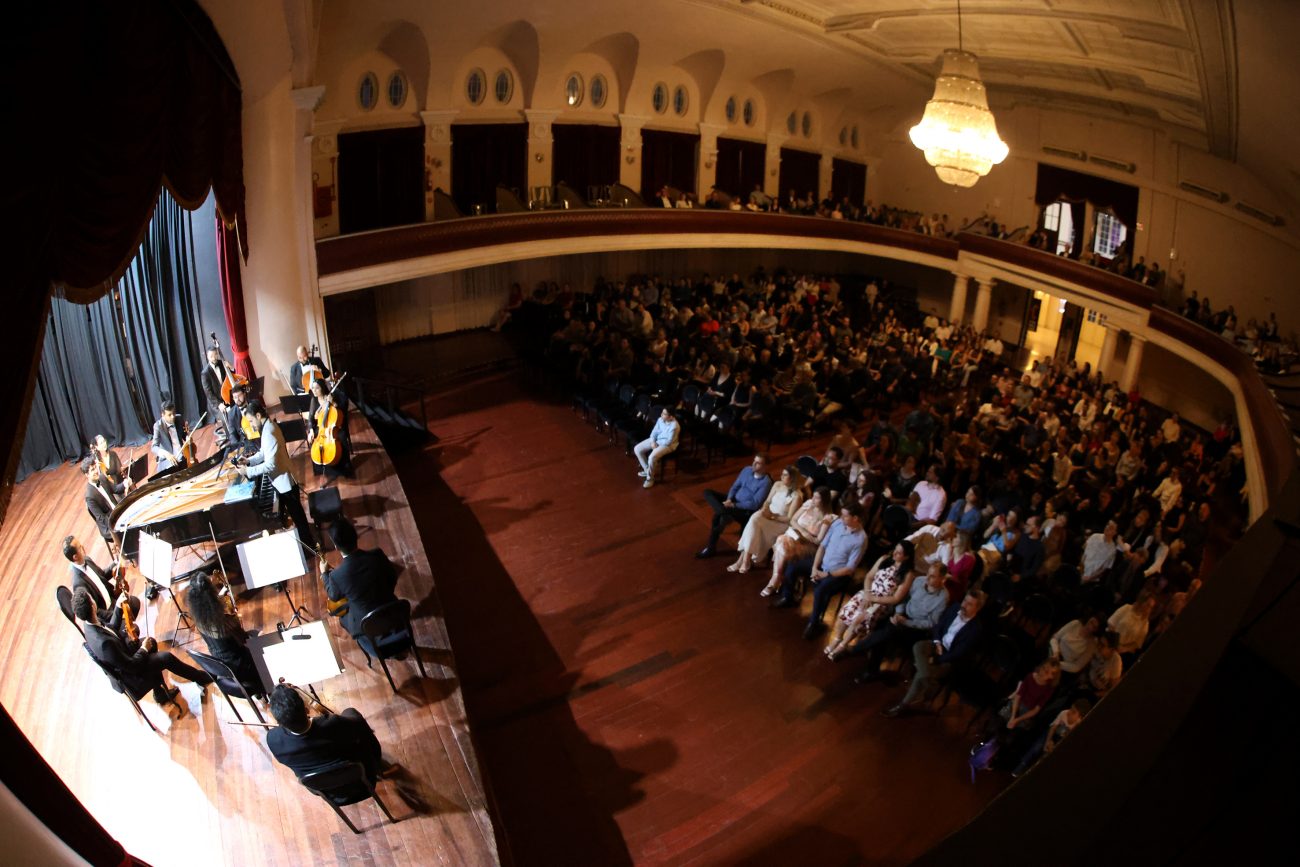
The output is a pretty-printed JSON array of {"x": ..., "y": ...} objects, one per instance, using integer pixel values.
[
  {"x": 122, "y": 587},
  {"x": 232, "y": 379},
  {"x": 325, "y": 449},
  {"x": 188, "y": 452}
]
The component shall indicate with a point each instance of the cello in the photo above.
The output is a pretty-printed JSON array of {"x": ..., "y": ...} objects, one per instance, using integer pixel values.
[
  {"x": 325, "y": 449},
  {"x": 232, "y": 379},
  {"x": 310, "y": 370}
]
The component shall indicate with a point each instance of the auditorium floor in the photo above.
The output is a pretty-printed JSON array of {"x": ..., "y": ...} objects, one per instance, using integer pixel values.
[{"x": 631, "y": 704}]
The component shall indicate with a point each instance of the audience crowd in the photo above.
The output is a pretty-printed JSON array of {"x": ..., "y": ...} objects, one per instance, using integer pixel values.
[{"x": 1036, "y": 528}]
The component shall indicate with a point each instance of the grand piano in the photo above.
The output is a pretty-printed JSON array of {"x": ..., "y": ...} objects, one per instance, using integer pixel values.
[{"x": 201, "y": 503}]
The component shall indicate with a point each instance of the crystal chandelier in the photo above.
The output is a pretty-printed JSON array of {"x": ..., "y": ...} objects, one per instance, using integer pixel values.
[{"x": 957, "y": 132}]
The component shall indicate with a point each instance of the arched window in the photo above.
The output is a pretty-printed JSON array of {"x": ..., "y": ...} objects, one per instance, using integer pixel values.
[
  {"x": 475, "y": 86},
  {"x": 368, "y": 91},
  {"x": 573, "y": 90}
]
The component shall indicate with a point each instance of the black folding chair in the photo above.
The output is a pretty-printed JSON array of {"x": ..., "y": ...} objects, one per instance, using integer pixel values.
[
  {"x": 64, "y": 596},
  {"x": 118, "y": 686},
  {"x": 224, "y": 677},
  {"x": 341, "y": 786},
  {"x": 387, "y": 630}
]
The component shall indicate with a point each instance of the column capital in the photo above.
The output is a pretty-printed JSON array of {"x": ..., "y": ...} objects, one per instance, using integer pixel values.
[
  {"x": 539, "y": 123},
  {"x": 1136, "y": 338},
  {"x": 308, "y": 98},
  {"x": 437, "y": 126}
]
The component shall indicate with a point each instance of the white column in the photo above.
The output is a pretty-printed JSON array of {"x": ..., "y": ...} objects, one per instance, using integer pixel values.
[
  {"x": 437, "y": 155},
  {"x": 1133, "y": 362},
  {"x": 305, "y": 102},
  {"x": 772, "y": 169},
  {"x": 824, "y": 174},
  {"x": 540, "y": 147},
  {"x": 957, "y": 311},
  {"x": 325, "y": 178},
  {"x": 1107, "y": 358},
  {"x": 706, "y": 165},
  {"x": 984, "y": 295},
  {"x": 629, "y": 166}
]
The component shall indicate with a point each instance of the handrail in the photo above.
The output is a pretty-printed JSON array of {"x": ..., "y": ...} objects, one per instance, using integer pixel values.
[{"x": 389, "y": 390}]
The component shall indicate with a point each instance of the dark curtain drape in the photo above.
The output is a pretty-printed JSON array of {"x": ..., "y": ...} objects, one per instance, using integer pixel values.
[
  {"x": 800, "y": 172},
  {"x": 232, "y": 298},
  {"x": 483, "y": 156},
  {"x": 1055, "y": 183},
  {"x": 740, "y": 166},
  {"x": 107, "y": 366},
  {"x": 381, "y": 178},
  {"x": 667, "y": 159},
  {"x": 158, "y": 104},
  {"x": 848, "y": 179},
  {"x": 585, "y": 155}
]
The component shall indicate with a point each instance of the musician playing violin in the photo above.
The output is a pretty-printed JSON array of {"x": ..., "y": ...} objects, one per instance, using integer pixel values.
[
  {"x": 110, "y": 465},
  {"x": 99, "y": 583},
  {"x": 322, "y": 401},
  {"x": 305, "y": 363},
  {"x": 306, "y": 744},
  {"x": 101, "y": 497},
  {"x": 169, "y": 435}
]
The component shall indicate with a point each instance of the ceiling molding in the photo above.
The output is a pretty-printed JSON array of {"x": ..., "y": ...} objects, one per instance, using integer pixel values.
[{"x": 1215, "y": 39}]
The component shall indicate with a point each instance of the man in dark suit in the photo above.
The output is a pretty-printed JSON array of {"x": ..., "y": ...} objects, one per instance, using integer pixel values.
[
  {"x": 954, "y": 637},
  {"x": 84, "y": 573},
  {"x": 303, "y": 363},
  {"x": 169, "y": 435},
  {"x": 214, "y": 376},
  {"x": 308, "y": 744},
  {"x": 242, "y": 439},
  {"x": 101, "y": 497},
  {"x": 139, "y": 666},
  {"x": 365, "y": 578}
]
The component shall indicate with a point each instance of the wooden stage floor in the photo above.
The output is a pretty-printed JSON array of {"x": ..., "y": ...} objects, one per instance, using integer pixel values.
[
  {"x": 205, "y": 792},
  {"x": 631, "y": 704}
]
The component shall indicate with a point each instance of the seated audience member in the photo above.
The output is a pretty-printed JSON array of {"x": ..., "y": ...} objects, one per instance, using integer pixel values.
[
  {"x": 888, "y": 583},
  {"x": 138, "y": 666},
  {"x": 961, "y": 565},
  {"x": 1030, "y": 697},
  {"x": 99, "y": 584},
  {"x": 829, "y": 473},
  {"x": 1064, "y": 723},
  {"x": 662, "y": 440},
  {"x": 807, "y": 529},
  {"x": 1105, "y": 669},
  {"x": 1002, "y": 535},
  {"x": 951, "y": 642},
  {"x": 1131, "y": 623},
  {"x": 830, "y": 570},
  {"x": 745, "y": 497},
  {"x": 365, "y": 578},
  {"x": 770, "y": 521},
  {"x": 933, "y": 498},
  {"x": 910, "y": 622},
  {"x": 307, "y": 744},
  {"x": 1099, "y": 554},
  {"x": 967, "y": 513},
  {"x": 933, "y": 544},
  {"x": 222, "y": 632},
  {"x": 1074, "y": 645}
]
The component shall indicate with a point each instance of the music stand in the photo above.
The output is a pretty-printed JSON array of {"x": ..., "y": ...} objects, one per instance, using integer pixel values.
[
  {"x": 295, "y": 431},
  {"x": 303, "y": 655},
  {"x": 296, "y": 404},
  {"x": 274, "y": 558},
  {"x": 156, "y": 563}
]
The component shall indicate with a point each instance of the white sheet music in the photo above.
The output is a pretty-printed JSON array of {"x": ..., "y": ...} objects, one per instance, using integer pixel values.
[
  {"x": 301, "y": 661},
  {"x": 155, "y": 559},
  {"x": 272, "y": 559}
]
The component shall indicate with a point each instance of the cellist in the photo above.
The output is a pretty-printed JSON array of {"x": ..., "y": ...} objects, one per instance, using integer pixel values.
[
  {"x": 323, "y": 401},
  {"x": 305, "y": 364}
]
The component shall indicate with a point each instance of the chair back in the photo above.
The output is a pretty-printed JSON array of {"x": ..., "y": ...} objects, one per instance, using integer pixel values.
[
  {"x": 64, "y": 597},
  {"x": 690, "y": 394},
  {"x": 896, "y": 522},
  {"x": 222, "y": 675},
  {"x": 389, "y": 628},
  {"x": 807, "y": 466},
  {"x": 340, "y": 785},
  {"x": 705, "y": 405}
]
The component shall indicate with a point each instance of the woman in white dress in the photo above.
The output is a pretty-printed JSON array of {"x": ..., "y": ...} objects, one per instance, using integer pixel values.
[
  {"x": 806, "y": 531},
  {"x": 770, "y": 521}
]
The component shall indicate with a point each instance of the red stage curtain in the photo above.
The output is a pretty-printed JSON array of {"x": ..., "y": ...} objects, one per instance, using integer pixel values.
[{"x": 232, "y": 298}]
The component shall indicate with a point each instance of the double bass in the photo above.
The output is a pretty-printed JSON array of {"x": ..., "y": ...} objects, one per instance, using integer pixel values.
[
  {"x": 325, "y": 448},
  {"x": 232, "y": 379}
]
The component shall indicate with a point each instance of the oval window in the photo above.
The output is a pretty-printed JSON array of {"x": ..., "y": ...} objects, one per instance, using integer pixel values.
[
  {"x": 504, "y": 86},
  {"x": 792, "y": 123},
  {"x": 475, "y": 86},
  {"x": 368, "y": 91},
  {"x": 599, "y": 90},
  {"x": 573, "y": 90},
  {"x": 806, "y": 125},
  {"x": 853, "y": 136},
  {"x": 396, "y": 89},
  {"x": 659, "y": 98},
  {"x": 844, "y": 136},
  {"x": 731, "y": 110},
  {"x": 748, "y": 112},
  {"x": 680, "y": 100}
]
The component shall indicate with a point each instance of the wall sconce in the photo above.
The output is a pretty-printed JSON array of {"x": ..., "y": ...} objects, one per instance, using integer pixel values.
[
  {"x": 630, "y": 159},
  {"x": 436, "y": 163},
  {"x": 539, "y": 156}
]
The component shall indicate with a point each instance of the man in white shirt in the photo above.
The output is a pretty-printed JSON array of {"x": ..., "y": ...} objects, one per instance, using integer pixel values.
[
  {"x": 1099, "y": 553},
  {"x": 273, "y": 460},
  {"x": 662, "y": 440}
]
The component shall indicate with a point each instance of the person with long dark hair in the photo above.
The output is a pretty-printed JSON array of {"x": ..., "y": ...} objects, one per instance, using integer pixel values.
[{"x": 222, "y": 632}]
